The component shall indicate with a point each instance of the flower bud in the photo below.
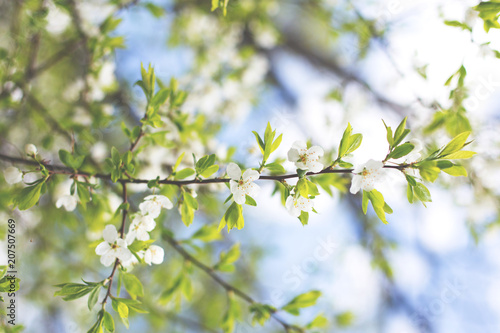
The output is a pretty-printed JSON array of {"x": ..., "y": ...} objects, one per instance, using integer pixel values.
[{"x": 30, "y": 149}]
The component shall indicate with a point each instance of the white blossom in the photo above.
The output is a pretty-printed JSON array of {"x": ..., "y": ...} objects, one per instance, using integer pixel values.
[
  {"x": 113, "y": 247},
  {"x": 304, "y": 158},
  {"x": 154, "y": 254},
  {"x": 139, "y": 228},
  {"x": 295, "y": 205},
  {"x": 366, "y": 175},
  {"x": 153, "y": 204},
  {"x": 30, "y": 149},
  {"x": 13, "y": 175},
  {"x": 242, "y": 184},
  {"x": 68, "y": 201}
]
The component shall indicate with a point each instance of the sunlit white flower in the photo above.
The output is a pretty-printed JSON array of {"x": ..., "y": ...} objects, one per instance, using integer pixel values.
[
  {"x": 113, "y": 247},
  {"x": 139, "y": 228},
  {"x": 68, "y": 201},
  {"x": 306, "y": 159},
  {"x": 13, "y": 175},
  {"x": 154, "y": 254},
  {"x": 366, "y": 175},
  {"x": 153, "y": 204},
  {"x": 30, "y": 149},
  {"x": 242, "y": 185},
  {"x": 295, "y": 205}
]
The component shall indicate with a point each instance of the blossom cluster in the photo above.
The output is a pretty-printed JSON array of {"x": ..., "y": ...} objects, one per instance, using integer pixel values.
[{"x": 115, "y": 247}]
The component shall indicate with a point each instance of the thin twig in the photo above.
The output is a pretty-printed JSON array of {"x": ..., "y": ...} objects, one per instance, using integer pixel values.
[{"x": 228, "y": 287}]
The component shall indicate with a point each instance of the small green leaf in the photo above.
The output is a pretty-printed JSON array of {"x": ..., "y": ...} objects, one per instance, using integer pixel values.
[
  {"x": 108, "y": 323},
  {"x": 422, "y": 193},
  {"x": 133, "y": 285},
  {"x": 401, "y": 150},
  {"x": 455, "y": 145},
  {"x": 302, "y": 301},
  {"x": 184, "y": 173},
  {"x": 209, "y": 171},
  {"x": 94, "y": 296},
  {"x": 275, "y": 168},
  {"x": 304, "y": 217},
  {"x": 250, "y": 201},
  {"x": 456, "y": 170}
]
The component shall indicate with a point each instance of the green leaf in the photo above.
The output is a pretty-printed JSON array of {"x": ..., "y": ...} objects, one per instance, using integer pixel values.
[
  {"x": 233, "y": 218},
  {"x": 429, "y": 171},
  {"x": 364, "y": 203},
  {"x": 70, "y": 160},
  {"x": 155, "y": 10},
  {"x": 190, "y": 200},
  {"x": 455, "y": 145},
  {"x": 115, "y": 157},
  {"x": 459, "y": 155},
  {"x": 456, "y": 170},
  {"x": 133, "y": 285},
  {"x": 203, "y": 163},
  {"x": 276, "y": 143},
  {"x": 400, "y": 132},
  {"x": 120, "y": 308},
  {"x": 94, "y": 296},
  {"x": 107, "y": 322},
  {"x": 390, "y": 138},
  {"x": 378, "y": 203},
  {"x": 319, "y": 321},
  {"x": 401, "y": 151},
  {"x": 302, "y": 301},
  {"x": 210, "y": 171},
  {"x": 178, "y": 162},
  {"x": 259, "y": 141},
  {"x": 275, "y": 168},
  {"x": 187, "y": 214},
  {"x": 422, "y": 193},
  {"x": 226, "y": 259},
  {"x": 306, "y": 188},
  {"x": 261, "y": 313},
  {"x": 250, "y": 201},
  {"x": 409, "y": 193},
  {"x": 345, "y": 319},
  {"x": 457, "y": 24},
  {"x": 184, "y": 173},
  {"x": 28, "y": 196},
  {"x": 304, "y": 217}
]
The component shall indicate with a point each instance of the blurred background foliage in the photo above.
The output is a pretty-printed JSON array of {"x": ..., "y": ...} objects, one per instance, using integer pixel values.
[{"x": 67, "y": 74}]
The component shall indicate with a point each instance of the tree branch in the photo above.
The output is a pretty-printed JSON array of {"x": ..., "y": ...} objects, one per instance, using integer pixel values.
[{"x": 228, "y": 287}]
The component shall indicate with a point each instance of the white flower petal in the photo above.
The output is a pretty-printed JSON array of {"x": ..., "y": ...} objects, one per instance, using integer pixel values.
[
  {"x": 239, "y": 197},
  {"x": 123, "y": 254},
  {"x": 374, "y": 165},
  {"x": 293, "y": 155},
  {"x": 233, "y": 171},
  {"x": 356, "y": 184},
  {"x": 110, "y": 234},
  {"x": 299, "y": 145},
  {"x": 315, "y": 166},
  {"x": 315, "y": 150},
  {"x": 108, "y": 258},
  {"x": 13, "y": 175},
  {"x": 250, "y": 175},
  {"x": 102, "y": 248},
  {"x": 148, "y": 257},
  {"x": 157, "y": 254}
]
